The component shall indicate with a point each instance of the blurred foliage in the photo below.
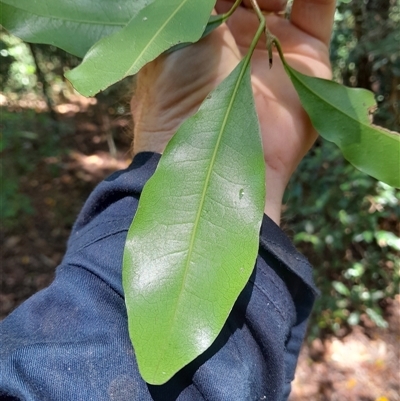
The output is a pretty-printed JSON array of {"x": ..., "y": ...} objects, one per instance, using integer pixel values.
[
  {"x": 346, "y": 223},
  {"x": 365, "y": 52},
  {"x": 36, "y": 72},
  {"x": 33, "y": 68},
  {"x": 26, "y": 138},
  {"x": 17, "y": 66},
  {"x": 39, "y": 69}
]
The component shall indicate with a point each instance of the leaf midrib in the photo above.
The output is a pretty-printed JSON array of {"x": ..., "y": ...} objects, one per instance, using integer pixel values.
[
  {"x": 199, "y": 212},
  {"x": 154, "y": 36}
]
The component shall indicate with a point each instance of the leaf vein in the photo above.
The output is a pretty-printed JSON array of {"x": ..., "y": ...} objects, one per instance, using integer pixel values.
[{"x": 138, "y": 58}]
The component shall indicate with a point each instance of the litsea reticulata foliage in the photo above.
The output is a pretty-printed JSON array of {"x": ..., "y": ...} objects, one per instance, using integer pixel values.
[{"x": 204, "y": 203}]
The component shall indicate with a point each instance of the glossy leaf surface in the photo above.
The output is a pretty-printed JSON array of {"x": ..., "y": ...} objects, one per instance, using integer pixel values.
[
  {"x": 153, "y": 30},
  {"x": 193, "y": 242},
  {"x": 72, "y": 25},
  {"x": 342, "y": 115},
  {"x": 213, "y": 23}
]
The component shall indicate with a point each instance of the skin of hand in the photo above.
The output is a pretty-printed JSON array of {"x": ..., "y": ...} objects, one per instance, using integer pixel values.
[{"x": 172, "y": 87}]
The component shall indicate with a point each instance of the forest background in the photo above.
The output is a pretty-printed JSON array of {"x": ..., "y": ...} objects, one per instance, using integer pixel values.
[{"x": 56, "y": 145}]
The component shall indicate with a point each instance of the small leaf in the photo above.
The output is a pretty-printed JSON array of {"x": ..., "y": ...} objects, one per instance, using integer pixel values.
[
  {"x": 72, "y": 25},
  {"x": 341, "y": 115},
  {"x": 354, "y": 318},
  {"x": 155, "y": 29},
  {"x": 192, "y": 245},
  {"x": 341, "y": 288},
  {"x": 387, "y": 238},
  {"x": 377, "y": 318}
]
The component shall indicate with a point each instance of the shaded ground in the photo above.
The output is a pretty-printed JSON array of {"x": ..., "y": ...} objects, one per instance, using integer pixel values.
[
  {"x": 362, "y": 366},
  {"x": 57, "y": 188}
]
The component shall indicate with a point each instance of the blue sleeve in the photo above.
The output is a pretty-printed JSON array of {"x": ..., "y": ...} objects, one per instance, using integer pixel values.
[{"x": 70, "y": 340}]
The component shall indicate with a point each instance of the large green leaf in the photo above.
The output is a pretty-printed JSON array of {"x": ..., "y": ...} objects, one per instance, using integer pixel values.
[
  {"x": 192, "y": 245},
  {"x": 342, "y": 115},
  {"x": 149, "y": 33},
  {"x": 76, "y": 26},
  {"x": 72, "y": 25}
]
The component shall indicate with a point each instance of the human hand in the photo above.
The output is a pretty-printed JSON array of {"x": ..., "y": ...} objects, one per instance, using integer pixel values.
[{"x": 172, "y": 87}]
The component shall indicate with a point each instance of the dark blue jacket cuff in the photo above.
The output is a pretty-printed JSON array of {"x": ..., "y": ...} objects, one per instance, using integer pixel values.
[{"x": 70, "y": 341}]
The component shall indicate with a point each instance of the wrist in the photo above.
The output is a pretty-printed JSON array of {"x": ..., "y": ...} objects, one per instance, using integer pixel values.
[
  {"x": 157, "y": 118},
  {"x": 152, "y": 134},
  {"x": 275, "y": 188}
]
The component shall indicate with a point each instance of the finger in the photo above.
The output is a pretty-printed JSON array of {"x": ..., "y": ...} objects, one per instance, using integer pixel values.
[
  {"x": 268, "y": 5},
  {"x": 224, "y": 6},
  {"x": 314, "y": 17}
]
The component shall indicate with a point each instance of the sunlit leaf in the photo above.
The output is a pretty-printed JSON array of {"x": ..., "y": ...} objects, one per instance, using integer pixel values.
[
  {"x": 149, "y": 33},
  {"x": 387, "y": 238},
  {"x": 342, "y": 115},
  {"x": 354, "y": 318},
  {"x": 72, "y": 25},
  {"x": 341, "y": 288},
  {"x": 376, "y": 317},
  {"x": 193, "y": 242}
]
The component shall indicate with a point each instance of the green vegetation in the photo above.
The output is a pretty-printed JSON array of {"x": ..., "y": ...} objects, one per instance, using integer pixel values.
[
  {"x": 365, "y": 53},
  {"x": 26, "y": 138},
  {"x": 348, "y": 225}
]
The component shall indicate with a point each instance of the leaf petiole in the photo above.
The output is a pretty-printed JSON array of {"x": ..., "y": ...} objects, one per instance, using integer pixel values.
[
  {"x": 277, "y": 44},
  {"x": 269, "y": 36},
  {"x": 261, "y": 28},
  {"x": 224, "y": 17}
]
